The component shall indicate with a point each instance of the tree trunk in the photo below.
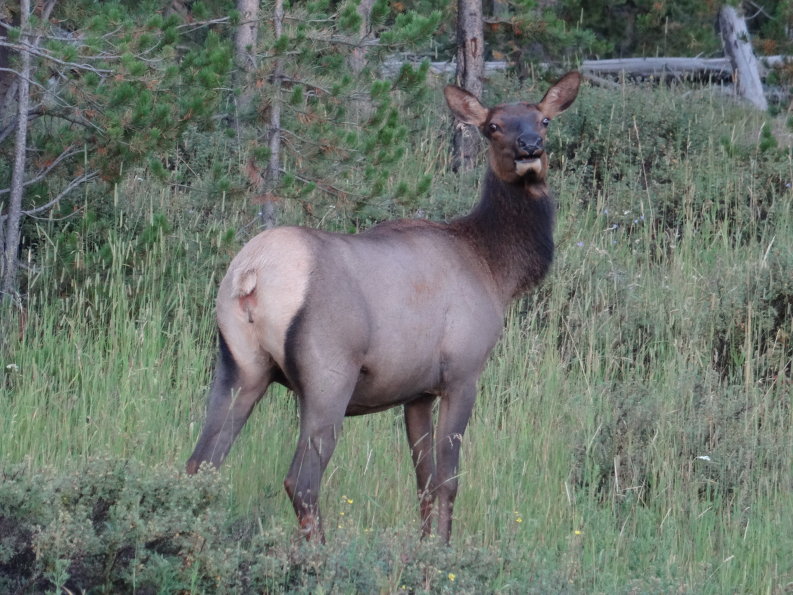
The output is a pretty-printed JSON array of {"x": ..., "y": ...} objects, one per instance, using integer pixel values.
[
  {"x": 738, "y": 48},
  {"x": 11, "y": 236},
  {"x": 7, "y": 79},
  {"x": 501, "y": 10},
  {"x": 470, "y": 70},
  {"x": 358, "y": 56},
  {"x": 267, "y": 214},
  {"x": 245, "y": 51}
]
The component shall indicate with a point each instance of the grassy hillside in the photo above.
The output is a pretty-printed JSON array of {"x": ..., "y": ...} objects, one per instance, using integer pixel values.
[{"x": 633, "y": 431}]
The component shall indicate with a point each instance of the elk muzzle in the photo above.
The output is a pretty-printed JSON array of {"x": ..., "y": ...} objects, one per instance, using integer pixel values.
[{"x": 529, "y": 149}]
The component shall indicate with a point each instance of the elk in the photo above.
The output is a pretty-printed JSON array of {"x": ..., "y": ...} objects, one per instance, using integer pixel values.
[{"x": 404, "y": 313}]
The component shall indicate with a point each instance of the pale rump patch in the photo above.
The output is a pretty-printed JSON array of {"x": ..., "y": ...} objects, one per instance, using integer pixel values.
[
  {"x": 262, "y": 291},
  {"x": 526, "y": 165}
]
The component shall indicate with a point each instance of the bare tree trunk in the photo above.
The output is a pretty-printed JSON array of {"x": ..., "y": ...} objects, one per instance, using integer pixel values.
[
  {"x": 738, "y": 48},
  {"x": 358, "y": 55},
  {"x": 7, "y": 79},
  {"x": 267, "y": 213},
  {"x": 11, "y": 236},
  {"x": 7, "y": 100},
  {"x": 245, "y": 50},
  {"x": 470, "y": 70},
  {"x": 500, "y": 9}
]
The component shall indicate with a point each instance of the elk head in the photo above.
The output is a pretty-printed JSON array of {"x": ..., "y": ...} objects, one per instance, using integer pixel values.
[{"x": 516, "y": 131}]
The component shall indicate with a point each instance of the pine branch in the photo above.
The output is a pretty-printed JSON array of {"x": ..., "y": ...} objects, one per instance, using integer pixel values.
[
  {"x": 69, "y": 152},
  {"x": 86, "y": 177},
  {"x": 38, "y": 112},
  {"x": 219, "y": 21},
  {"x": 350, "y": 41},
  {"x": 29, "y": 80},
  {"x": 329, "y": 189},
  {"x": 36, "y": 51}
]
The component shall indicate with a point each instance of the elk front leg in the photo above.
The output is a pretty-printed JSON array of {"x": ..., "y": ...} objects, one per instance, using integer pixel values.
[
  {"x": 455, "y": 410},
  {"x": 418, "y": 423}
]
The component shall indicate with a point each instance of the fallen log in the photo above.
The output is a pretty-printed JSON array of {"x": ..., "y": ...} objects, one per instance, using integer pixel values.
[{"x": 659, "y": 68}]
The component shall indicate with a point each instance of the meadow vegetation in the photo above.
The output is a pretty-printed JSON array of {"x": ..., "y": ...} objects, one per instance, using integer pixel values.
[{"x": 633, "y": 432}]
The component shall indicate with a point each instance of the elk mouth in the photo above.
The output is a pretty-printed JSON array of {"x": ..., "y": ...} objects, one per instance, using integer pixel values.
[{"x": 526, "y": 163}]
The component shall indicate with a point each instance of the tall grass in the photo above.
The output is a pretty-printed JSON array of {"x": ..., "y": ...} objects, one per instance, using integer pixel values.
[{"x": 634, "y": 427}]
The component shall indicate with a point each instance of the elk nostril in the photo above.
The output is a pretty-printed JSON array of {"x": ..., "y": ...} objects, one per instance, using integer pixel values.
[{"x": 530, "y": 144}]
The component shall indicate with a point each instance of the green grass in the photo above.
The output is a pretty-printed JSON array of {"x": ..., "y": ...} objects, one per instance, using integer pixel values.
[{"x": 634, "y": 427}]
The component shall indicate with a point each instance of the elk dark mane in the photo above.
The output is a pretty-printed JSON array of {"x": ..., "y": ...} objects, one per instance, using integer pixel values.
[{"x": 512, "y": 227}]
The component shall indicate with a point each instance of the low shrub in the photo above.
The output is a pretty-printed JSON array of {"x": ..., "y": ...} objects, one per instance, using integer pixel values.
[
  {"x": 110, "y": 523},
  {"x": 121, "y": 527}
]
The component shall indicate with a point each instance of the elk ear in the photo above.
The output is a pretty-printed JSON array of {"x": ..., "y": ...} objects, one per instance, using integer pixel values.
[
  {"x": 465, "y": 106},
  {"x": 561, "y": 96}
]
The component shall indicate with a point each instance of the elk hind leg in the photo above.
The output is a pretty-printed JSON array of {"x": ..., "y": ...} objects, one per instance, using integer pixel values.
[
  {"x": 235, "y": 390},
  {"x": 322, "y": 407}
]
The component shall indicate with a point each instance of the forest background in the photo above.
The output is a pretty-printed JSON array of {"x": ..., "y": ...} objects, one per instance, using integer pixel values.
[{"x": 634, "y": 428}]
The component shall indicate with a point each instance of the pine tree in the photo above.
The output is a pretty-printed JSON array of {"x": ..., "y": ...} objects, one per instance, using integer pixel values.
[
  {"x": 111, "y": 85},
  {"x": 341, "y": 123}
]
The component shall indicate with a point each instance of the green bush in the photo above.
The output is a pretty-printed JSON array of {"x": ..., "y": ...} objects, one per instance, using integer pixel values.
[
  {"x": 113, "y": 524},
  {"x": 119, "y": 526},
  {"x": 648, "y": 158}
]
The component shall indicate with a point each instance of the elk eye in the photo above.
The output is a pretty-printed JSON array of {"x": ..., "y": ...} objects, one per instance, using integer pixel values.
[
  {"x": 492, "y": 127},
  {"x": 545, "y": 121}
]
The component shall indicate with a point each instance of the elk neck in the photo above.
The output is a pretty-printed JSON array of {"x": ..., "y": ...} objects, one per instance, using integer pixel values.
[{"x": 511, "y": 228}]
